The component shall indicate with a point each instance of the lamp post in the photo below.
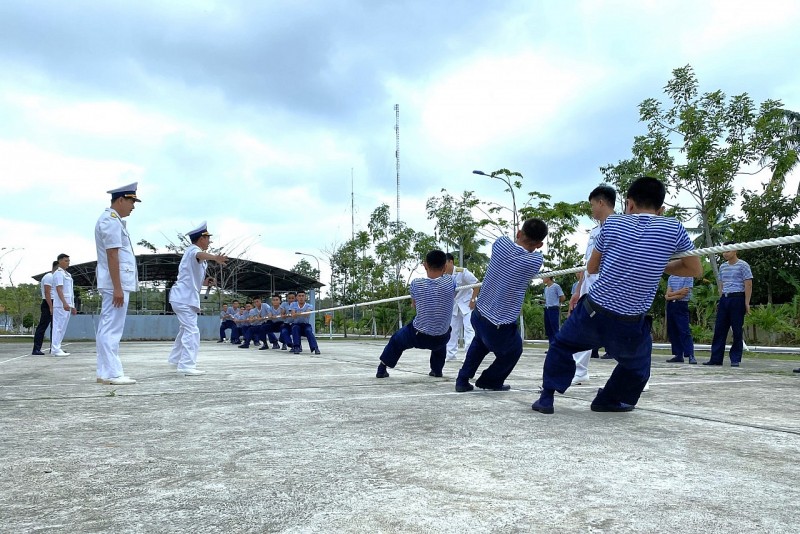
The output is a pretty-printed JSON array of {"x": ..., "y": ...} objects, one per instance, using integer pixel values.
[{"x": 319, "y": 271}]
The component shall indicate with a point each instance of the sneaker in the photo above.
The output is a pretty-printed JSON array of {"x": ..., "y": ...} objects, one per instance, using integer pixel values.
[
  {"x": 191, "y": 372},
  {"x": 119, "y": 381},
  {"x": 434, "y": 373},
  {"x": 382, "y": 372},
  {"x": 675, "y": 359},
  {"x": 265, "y": 347},
  {"x": 463, "y": 387},
  {"x": 580, "y": 380},
  {"x": 243, "y": 346},
  {"x": 316, "y": 351},
  {"x": 283, "y": 347},
  {"x": 538, "y": 406},
  {"x": 59, "y": 353},
  {"x": 692, "y": 360},
  {"x": 37, "y": 353}
]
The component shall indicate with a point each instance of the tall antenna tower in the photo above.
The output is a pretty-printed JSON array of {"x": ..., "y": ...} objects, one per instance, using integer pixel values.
[
  {"x": 397, "y": 155},
  {"x": 352, "y": 208}
]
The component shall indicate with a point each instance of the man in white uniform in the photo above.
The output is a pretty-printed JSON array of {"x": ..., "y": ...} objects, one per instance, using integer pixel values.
[
  {"x": 185, "y": 299},
  {"x": 462, "y": 307},
  {"x": 63, "y": 304},
  {"x": 117, "y": 276},
  {"x": 602, "y": 200}
]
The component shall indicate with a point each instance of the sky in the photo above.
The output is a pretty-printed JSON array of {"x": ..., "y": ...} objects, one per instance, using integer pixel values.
[{"x": 257, "y": 116}]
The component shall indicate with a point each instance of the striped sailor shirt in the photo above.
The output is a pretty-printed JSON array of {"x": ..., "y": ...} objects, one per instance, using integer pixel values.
[
  {"x": 433, "y": 298},
  {"x": 733, "y": 276},
  {"x": 635, "y": 250},
  {"x": 675, "y": 283},
  {"x": 510, "y": 271}
]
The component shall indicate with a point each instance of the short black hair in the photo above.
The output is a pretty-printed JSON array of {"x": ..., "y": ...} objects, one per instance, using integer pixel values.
[
  {"x": 55, "y": 264},
  {"x": 450, "y": 257},
  {"x": 647, "y": 192},
  {"x": 291, "y": 293},
  {"x": 435, "y": 259},
  {"x": 535, "y": 230},
  {"x": 61, "y": 257},
  {"x": 301, "y": 291},
  {"x": 605, "y": 193},
  {"x": 235, "y": 301},
  {"x": 277, "y": 296}
]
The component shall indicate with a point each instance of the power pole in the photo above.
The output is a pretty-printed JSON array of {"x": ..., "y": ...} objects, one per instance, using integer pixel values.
[{"x": 397, "y": 210}]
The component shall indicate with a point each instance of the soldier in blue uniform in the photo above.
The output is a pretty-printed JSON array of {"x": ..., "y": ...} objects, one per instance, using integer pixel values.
[
  {"x": 433, "y": 297},
  {"x": 630, "y": 254},
  {"x": 511, "y": 268},
  {"x": 735, "y": 287}
]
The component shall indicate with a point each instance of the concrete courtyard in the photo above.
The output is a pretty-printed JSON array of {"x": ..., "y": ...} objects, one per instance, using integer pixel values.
[{"x": 268, "y": 441}]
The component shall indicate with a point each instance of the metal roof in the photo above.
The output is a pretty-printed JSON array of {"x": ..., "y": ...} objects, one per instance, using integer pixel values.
[{"x": 241, "y": 276}]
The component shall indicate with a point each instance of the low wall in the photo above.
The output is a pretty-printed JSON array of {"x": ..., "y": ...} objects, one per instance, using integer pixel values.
[{"x": 149, "y": 327}]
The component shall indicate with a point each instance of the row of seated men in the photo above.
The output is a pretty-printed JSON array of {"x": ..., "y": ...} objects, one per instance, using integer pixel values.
[{"x": 259, "y": 322}]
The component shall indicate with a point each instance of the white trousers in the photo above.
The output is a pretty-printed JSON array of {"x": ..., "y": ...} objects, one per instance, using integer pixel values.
[
  {"x": 108, "y": 334},
  {"x": 458, "y": 321},
  {"x": 187, "y": 342},
  {"x": 60, "y": 321},
  {"x": 582, "y": 358}
]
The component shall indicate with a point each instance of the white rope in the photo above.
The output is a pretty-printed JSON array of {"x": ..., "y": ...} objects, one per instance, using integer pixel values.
[{"x": 761, "y": 243}]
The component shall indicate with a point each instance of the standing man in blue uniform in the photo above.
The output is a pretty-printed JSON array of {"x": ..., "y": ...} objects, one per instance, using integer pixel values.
[
  {"x": 511, "y": 269},
  {"x": 679, "y": 292},
  {"x": 185, "y": 299},
  {"x": 433, "y": 299},
  {"x": 63, "y": 296},
  {"x": 736, "y": 287},
  {"x": 462, "y": 307},
  {"x": 301, "y": 326},
  {"x": 630, "y": 254},
  {"x": 46, "y": 316},
  {"x": 117, "y": 276},
  {"x": 553, "y": 297}
]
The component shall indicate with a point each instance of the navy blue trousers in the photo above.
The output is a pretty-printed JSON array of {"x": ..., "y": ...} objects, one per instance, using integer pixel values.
[
  {"x": 226, "y": 325},
  {"x": 678, "y": 330},
  {"x": 629, "y": 342},
  {"x": 305, "y": 330},
  {"x": 552, "y": 322},
  {"x": 409, "y": 337},
  {"x": 44, "y": 321},
  {"x": 730, "y": 315},
  {"x": 503, "y": 340}
]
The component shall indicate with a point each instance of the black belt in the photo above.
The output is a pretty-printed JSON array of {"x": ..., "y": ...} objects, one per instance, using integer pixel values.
[
  {"x": 551, "y": 307},
  {"x": 734, "y": 294},
  {"x": 593, "y": 307},
  {"x": 498, "y": 326}
]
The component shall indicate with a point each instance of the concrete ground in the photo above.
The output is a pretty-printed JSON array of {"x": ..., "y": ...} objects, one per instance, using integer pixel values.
[{"x": 268, "y": 441}]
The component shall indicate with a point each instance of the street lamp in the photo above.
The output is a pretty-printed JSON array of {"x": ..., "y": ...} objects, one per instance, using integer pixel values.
[{"x": 319, "y": 271}]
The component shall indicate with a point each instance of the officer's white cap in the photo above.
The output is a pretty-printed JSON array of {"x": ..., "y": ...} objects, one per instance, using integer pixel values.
[
  {"x": 199, "y": 231},
  {"x": 126, "y": 191}
]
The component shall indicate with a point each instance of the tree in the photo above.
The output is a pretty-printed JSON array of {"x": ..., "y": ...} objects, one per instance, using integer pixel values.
[
  {"x": 454, "y": 223},
  {"x": 717, "y": 138},
  {"x": 304, "y": 267},
  {"x": 562, "y": 220},
  {"x": 766, "y": 215}
]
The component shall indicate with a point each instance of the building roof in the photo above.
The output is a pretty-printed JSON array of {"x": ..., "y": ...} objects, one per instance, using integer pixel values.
[{"x": 241, "y": 276}]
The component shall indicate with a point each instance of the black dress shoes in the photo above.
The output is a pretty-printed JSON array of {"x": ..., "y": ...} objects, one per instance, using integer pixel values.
[
  {"x": 463, "y": 387},
  {"x": 433, "y": 373}
]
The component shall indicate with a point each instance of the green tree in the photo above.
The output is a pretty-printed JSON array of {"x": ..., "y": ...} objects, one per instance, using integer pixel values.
[
  {"x": 717, "y": 138},
  {"x": 562, "y": 220},
  {"x": 304, "y": 267},
  {"x": 765, "y": 215}
]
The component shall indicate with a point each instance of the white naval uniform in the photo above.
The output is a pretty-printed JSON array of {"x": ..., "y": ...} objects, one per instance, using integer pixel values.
[
  {"x": 111, "y": 232},
  {"x": 60, "y": 315},
  {"x": 462, "y": 313},
  {"x": 582, "y": 358},
  {"x": 185, "y": 300}
]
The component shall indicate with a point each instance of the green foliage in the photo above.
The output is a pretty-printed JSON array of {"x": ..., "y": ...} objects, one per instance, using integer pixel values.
[
  {"x": 27, "y": 320},
  {"x": 304, "y": 267}
]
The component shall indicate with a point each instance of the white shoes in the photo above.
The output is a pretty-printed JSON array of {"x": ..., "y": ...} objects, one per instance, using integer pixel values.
[
  {"x": 580, "y": 380},
  {"x": 190, "y": 372},
  {"x": 59, "y": 353},
  {"x": 118, "y": 381}
]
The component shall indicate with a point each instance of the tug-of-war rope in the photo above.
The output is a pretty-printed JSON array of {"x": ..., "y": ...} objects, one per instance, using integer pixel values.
[{"x": 761, "y": 243}]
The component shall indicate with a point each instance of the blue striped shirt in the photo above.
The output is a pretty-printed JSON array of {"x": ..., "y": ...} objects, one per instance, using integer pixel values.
[
  {"x": 733, "y": 276},
  {"x": 635, "y": 250},
  {"x": 510, "y": 271},
  {"x": 676, "y": 283},
  {"x": 434, "y": 299},
  {"x": 552, "y": 294}
]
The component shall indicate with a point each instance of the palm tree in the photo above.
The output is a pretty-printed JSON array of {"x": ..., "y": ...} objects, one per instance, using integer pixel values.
[{"x": 785, "y": 154}]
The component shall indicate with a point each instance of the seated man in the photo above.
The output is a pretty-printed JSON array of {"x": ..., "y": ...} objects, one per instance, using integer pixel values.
[
  {"x": 273, "y": 323},
  {"x": 242, "y": 320},
  {"x": 433, "y": 297},
  {"x": 254, "y": 325},
  {"x": 301, "y": 315}
]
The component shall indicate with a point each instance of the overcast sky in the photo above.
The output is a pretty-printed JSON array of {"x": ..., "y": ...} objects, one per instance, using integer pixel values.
[{"x": 251, "y": 114}]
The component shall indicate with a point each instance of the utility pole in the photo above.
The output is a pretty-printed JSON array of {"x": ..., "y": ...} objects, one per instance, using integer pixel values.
[{"x": 397, "y": 210}]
